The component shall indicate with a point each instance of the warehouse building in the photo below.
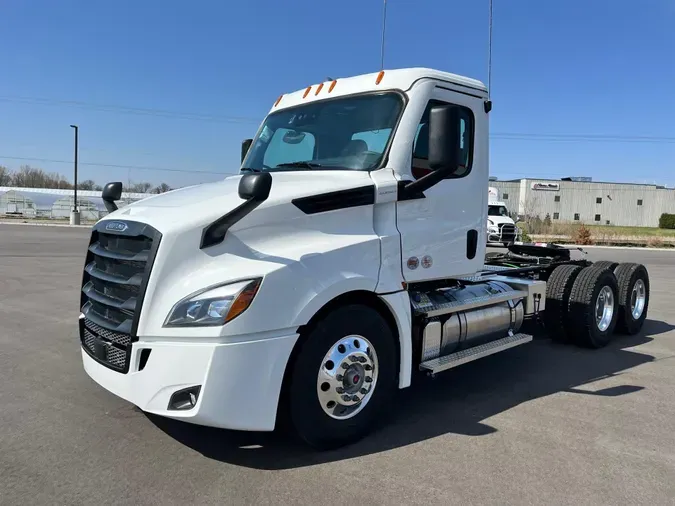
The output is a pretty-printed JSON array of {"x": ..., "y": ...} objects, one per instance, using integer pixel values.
[{"x": 571, "y": 200}]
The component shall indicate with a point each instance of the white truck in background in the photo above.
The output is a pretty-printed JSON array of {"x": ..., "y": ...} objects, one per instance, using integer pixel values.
[
  {"x": 501, "y": 228},
  {"x": 348, "y": 253}
]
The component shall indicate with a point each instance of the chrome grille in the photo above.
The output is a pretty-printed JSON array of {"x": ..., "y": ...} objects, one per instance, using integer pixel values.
[
  {"x": 116, "y": 272},
  {"x": 507, "y": 232}
]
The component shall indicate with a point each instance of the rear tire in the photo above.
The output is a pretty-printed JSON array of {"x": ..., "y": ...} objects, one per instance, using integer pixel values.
[
  {"x": 605, "y": 264},
  {"x": 318, "y": 401},
  {"x": 593, "y": 307},
  {"x": 558, "y": 288},
  {"x": 633, "y": 297}
]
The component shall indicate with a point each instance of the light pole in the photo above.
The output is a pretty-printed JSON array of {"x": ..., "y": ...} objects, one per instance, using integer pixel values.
[{"x": 75, "y": 212}]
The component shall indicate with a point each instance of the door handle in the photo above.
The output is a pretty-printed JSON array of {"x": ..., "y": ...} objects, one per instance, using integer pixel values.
[{"x": 471, "y": 243}]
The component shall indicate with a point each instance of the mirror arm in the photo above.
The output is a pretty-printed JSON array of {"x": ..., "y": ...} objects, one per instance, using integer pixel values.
[{"x": 426, "y": 182}]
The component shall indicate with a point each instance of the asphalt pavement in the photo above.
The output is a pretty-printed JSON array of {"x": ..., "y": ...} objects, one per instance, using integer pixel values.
[{"x": 539, "y": 424}]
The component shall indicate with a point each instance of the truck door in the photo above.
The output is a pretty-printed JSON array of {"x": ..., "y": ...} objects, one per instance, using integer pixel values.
[{"x": 443, "y": 234}]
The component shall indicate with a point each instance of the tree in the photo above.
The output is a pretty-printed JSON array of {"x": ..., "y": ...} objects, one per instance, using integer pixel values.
[
  {"x": 547, "y": 220},
  {"x": 87, "y": 184},
  {"x": 5, "y": 176},
  {"x": 161, "y": 188},
  {"x": 139, "y": 187}
]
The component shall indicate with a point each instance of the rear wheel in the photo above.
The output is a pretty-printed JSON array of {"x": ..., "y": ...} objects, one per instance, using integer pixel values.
[
  {"x": 343, "y": 378},
  {"x": 593, "y": 307},
  {"x": 558, "y": 289},
  {"x": 633, "y": 281},
  {"x": 605, "y": 264}
]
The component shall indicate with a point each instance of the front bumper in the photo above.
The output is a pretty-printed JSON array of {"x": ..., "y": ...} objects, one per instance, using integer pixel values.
[
  {"x": 240, "y": 382},
  {"x": 503, "y": 234}
]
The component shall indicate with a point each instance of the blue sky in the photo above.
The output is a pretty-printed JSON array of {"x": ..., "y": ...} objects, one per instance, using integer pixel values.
[{"x": 184, "y": 82}]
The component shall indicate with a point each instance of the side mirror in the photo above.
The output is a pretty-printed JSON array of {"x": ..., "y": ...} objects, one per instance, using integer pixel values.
[
  {"x": 245, "y": 146},
  {"x": 255, "y": 187},
  {"x": 111, "y": 192},
  {"x": 445, "y": 134}
]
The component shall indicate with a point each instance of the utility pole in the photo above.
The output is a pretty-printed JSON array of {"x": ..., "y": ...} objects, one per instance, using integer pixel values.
[{"x": 75, "y": 212}]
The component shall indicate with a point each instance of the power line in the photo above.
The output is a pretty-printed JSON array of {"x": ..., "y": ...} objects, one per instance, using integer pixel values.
[
  {"x": 250, "y": 120},
  {"x": 131, "y": 110},
  {"x": 113, "y": 165},
  {"x": 519, "y": 136}
]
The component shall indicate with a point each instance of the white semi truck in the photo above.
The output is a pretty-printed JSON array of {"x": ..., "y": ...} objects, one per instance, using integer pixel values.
[
  {"x": 501, "y": 229},
  {"x": 348, "y": 254}
]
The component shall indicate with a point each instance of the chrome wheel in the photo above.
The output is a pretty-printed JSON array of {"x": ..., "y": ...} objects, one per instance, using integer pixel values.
[
  {"x": 604, "y": 308},
  {"x": 638, "y": 298},
  {"x": 347, "y": 377}
]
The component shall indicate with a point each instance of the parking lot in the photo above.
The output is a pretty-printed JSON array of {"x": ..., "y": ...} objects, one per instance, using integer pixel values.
[{"x": 539, "y": 424}]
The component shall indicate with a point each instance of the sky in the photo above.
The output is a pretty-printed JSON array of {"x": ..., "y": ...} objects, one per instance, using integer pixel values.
[{"x": 580, "y": 87}]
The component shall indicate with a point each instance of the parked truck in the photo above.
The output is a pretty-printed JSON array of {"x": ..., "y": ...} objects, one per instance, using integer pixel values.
[
  {"x": 501, "y": 229},
  {"x": 347, "y": 256}
]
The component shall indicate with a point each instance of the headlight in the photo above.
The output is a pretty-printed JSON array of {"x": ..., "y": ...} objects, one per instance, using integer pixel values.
[{"x": 214, "y": 306}]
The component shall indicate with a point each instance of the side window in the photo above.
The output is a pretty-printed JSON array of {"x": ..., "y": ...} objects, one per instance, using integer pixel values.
[
  {"x": 420, "y": 164},
  {"x": 289, "y": 146}
]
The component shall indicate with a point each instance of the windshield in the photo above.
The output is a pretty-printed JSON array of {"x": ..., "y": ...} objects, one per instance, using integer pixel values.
[
  {"x": 345, "y": 133},
  {"x": 497, "y": 211}
]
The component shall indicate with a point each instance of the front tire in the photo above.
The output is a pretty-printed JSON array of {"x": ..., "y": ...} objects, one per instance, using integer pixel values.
[
  {"x": 593, "y": 307},
  {"x": 343, "y": 378}
]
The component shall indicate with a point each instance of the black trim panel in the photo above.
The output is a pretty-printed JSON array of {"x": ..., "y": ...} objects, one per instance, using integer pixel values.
[
  {"x": 460, "y": 92},
  {"x": 332, "y": 201}
]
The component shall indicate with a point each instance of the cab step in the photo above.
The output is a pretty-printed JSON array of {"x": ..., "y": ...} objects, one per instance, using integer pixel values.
[
  {"x": 427, "y": 308},
  {"x": 440, "y": 364}
]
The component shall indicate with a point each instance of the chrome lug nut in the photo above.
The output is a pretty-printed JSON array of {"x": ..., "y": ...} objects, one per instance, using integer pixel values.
[
  {"x": 364, "y": 391},
  {"x": 362, "y": 360},
  {"x": 368, "y": 367},
  {"x": 340, "y": 390},
  {"x": 345, "y": 366},
  {"x": 339, "y": 377},
  {"x": 355, "y": 398},
  {"x": 346, "y": 397},
  {"x": 368, "y": 379},
  {"x": 353, "y": 358}
]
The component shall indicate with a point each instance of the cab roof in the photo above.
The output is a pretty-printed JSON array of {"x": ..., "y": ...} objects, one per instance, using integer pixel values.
[{"x": 401, "y": 79}]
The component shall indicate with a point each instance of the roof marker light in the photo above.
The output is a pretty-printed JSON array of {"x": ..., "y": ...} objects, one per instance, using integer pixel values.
[
  {"x": 307, "y": 91},
  {"x": 278, "y": 100},
  {"x": 379, "y": 77},
  {"x": 332, "y": 85},
  {"x": 318, "y": 89}
]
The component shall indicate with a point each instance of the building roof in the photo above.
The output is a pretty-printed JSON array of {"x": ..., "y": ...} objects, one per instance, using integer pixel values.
[{"x": 495, "y": 181}]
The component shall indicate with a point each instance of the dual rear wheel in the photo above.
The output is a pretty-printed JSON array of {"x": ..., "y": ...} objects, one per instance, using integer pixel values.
[{"x": 587, "y": 305}]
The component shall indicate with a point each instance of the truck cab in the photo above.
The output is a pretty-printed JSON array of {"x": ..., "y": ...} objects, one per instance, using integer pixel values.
[
  {"x": 501, "y": 229},
  {"x": 347, "y": 253}
]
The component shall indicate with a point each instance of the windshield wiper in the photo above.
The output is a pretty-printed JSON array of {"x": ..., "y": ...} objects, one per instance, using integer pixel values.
[
  {"x": 250, "y": 169},
  {"x": 300, "y": 165}
]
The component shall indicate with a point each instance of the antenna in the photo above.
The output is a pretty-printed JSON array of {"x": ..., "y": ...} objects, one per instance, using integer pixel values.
[
  {"x": 384, "y": 25},
  {"x": 489, "y": 53}
]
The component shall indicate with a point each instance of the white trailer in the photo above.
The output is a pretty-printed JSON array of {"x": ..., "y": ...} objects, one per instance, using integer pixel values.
[{"x": 349, "y": 253}]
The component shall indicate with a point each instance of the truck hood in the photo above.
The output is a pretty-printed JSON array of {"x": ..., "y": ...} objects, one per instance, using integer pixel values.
[
  {"x": 196, "y": 206},
  {"x": 500, "y": 220}
]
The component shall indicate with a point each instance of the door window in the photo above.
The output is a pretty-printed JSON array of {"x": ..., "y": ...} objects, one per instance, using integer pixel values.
[{"x": 420, "y": 158}]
